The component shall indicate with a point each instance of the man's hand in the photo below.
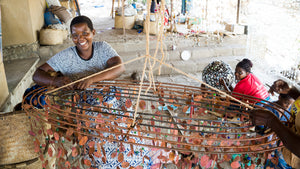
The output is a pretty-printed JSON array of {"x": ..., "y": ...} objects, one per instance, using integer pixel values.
[{"x": 262, "y": 117}]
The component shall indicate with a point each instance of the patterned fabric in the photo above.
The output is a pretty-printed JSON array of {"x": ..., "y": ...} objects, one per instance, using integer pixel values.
[
  {"x": 35, "y": 99},
  {"x": 276, "y": 161},
  {"x": 137, "y": 158},
  {"x": 215, "y": 70},
  {"x": 70, "y": 64},
  {"x": 295, "y": 108}
]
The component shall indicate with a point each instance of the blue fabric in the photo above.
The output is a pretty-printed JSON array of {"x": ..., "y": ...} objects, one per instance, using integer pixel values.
[
  {"x": 35, "y": 96},
  {"x": 282, "y": 118},
  {"x": 281, "y": 162},
  {"x": 50, "y": 18},
  {"x": 263, "y": 101}
]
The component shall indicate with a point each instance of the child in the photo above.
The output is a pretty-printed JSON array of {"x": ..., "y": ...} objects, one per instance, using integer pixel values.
[{"x": 284, "y": 101}]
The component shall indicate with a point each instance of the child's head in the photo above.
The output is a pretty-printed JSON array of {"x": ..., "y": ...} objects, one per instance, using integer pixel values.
[
  {"x": 242, "y": 69},
  {"x": 285, "y": 100},
  {"x": 81, "y": 19},
  {"x": 294, "y": 92}
]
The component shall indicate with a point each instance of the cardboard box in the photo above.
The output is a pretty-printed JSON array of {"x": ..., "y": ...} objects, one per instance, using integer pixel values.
[{"x": 235, "y": 28}]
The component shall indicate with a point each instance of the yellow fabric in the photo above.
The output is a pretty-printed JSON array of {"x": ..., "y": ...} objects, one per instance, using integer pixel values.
[
  {"x": 295, "y": 159},
  {"x": 295, "y": 107},
  {"x": 289, "y": 157}
]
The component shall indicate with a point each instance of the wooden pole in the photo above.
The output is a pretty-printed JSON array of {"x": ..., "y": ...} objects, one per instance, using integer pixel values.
[
  {"x": 171, "y": 15},
  {"x": 238, "y": 12},
  {"x": 112, "y": 9},
  {"x": 123, "y": 16}
]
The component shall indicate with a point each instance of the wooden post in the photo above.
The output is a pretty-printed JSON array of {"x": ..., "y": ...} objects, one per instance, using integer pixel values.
[
  {"x": 238, "y": 12},
  {"x": 171, "y": 14},
  {"x": 123, "y": 16},
  {"x": 112, "y": 9}
]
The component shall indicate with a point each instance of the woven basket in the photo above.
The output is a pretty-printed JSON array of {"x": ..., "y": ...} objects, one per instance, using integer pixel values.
[
  {"x": 52, "y": 36},
  {"x": 16, "y": 145},
  {"x": 129, "y": 22},
  {"x": 32, "y": 164}
]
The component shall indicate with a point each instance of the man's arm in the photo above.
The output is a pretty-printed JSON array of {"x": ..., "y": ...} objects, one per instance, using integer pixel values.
[{"x": 289, "y": 139}]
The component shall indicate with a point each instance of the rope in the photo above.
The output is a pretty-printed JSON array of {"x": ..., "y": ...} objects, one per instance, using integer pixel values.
[{"x": 140, "y": 89}]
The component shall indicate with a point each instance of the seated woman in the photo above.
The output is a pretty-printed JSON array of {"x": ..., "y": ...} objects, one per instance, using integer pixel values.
[
  {"x": 248, "y": 83},
  {"x": 84, "y": 59}
]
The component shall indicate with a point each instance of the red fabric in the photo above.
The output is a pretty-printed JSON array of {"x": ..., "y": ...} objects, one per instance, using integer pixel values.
[{"x": 251, "y": 86}]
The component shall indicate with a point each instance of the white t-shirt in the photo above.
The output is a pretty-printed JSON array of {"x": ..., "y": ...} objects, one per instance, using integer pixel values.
[{"x": 70, "y": 64}]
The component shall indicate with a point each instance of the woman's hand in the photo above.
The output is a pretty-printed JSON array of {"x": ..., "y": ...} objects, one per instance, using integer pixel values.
[
  {"x": 84, "y": 84},
  {"x": 222, "y": 82},
  {"x": 61, "y": 81}
]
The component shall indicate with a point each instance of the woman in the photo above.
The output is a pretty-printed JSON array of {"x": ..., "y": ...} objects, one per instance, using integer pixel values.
[
  {"x": 248, "y": 83},
  {"x": 83, "y": 59}
]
